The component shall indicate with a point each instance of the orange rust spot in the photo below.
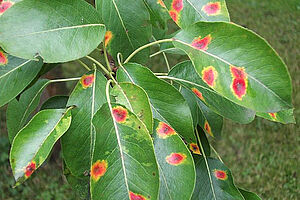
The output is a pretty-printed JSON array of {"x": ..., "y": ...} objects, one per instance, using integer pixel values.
[
  {"x": 209, "y": 75},
  {"x": 177, "y": 5},
  {"x": 240, "y": 81},
  {"x": 98, "y": 169},
  {"x": 220, "y": 174},
  {"x": 134, "y": 196},
  {"x": 107, "y": 38},
  {"x": 208, "y": 128},
  {"x": 164, "y": 130},
  {"x": 198, "y": 93},
  {"x": 87, "y": 80},
  {"x": 120, "y": 114},
  {"x": 30, "y": 168},
  {"x": 174, "y": 15},
  {"x": 4, "y": 6},
  {"x": 212, "y": 8},
  {"x": 3, "y": 58},
  {"x": 176, "y": 158},
  {"x": 202, "y": 44},
  {"x": 195, "y": 148},
  {"x": 273, "y": 115},
  {"x": 161, "y": 3}
]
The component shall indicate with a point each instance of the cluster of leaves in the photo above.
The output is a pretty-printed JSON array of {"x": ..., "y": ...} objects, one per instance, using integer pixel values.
[{"x": 130, "y": 133}]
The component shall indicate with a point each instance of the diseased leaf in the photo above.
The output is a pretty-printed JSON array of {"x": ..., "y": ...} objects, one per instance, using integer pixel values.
[
  {"x": 158, "y": 13},
  {"x": 249, "y": 195},
  {"x": 136, "y": 100},
  {"x": 88, "y": 96},
  {"x": 58, "y": 31},
  {"x": 55, "y": 102},
  {"x": 218, "y": 186},
  {"x": 284, "y": 116},
  {"x": 18, "y": 111},
  {"x": 123, "y": 163},
  {"x": 176, "y": 165},
  {"x": 128, "y": 27},
  {"x": 167, "y": 104},
  {"x": 185, "y": 74},
  {"x": 15, "y": 75},
  {"x": 237, "y": 64},
  {"x": 187, "y": 12},
  {"x": 33, "y": 144}
]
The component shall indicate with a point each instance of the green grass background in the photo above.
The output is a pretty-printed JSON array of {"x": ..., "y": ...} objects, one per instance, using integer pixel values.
[{"x": 263, "y": 156}]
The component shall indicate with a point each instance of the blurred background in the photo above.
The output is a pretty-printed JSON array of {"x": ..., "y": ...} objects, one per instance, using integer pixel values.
[{"x": 263, "y": 156}]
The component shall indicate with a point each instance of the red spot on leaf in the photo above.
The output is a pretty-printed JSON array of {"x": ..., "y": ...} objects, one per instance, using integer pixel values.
[
  {"x": 174, "y": 15},
  {"x": 195, "y": 148},
  {"x": 273, "y": 115},
  {"x": 220, "y": 174},
  {"x": 3, "y": 58},
  {"x": 209, "y": 75},
  {"x": 134, "y": 196},
  {"x": 164, "y": 130},
  {"x": 239, "y": 82},
  {"x": 177, "y": 5},
  {"x": 98, "y": 169},
  {"x": 176, "y": 158},
  {"x": 198, "y": 93},
  {"x": 212, "y": 8},
  {"x": 208, "y": 128},
  {"x": 120, "y": 114},
  {"x": 161, "y": 3},
  {"x": 87, "y": 80},
  {"x": 107, "y": 38},
  {"x": 4, "y": 6},
  {"x": 202, "y": 44},
  {"x": 30, "y": 168}
]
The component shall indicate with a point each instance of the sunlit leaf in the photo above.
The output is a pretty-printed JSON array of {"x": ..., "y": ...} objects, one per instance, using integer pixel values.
[{"x": 285, "y": 116}]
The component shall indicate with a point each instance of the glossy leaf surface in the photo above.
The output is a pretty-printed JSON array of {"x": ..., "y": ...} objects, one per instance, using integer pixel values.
[
  {"x": 237, "y": 64},
  {"x": 88, "y": 96},
  {"x": 19, "y": 111},
  {"x": 285, "y": 116},
  {"x": 58, "y": 31},
  {"x": 123, "y": 164},
  {"x": 187, "y": 12},
  {"x": 249, "y": 195},
  {"x": 176, "y": 165},
  {"x": 34, "y": 142},
  {"x": 204, "y": 141},
  {"x": 184, "y": 73},
  {"x": 15, "y": 75},
  {"x": 221, "y": 185},
  {"x": 55, "y": 102},
  {"x": 128, "y": 27},
  {"x": 136, "y": 100},
  {"x": 167, "y": 103}
]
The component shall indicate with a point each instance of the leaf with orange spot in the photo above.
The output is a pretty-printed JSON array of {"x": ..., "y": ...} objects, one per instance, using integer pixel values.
[
  {"x": 214, "y": 181},
  {"x": 176, "y": 165},
  {"x": 191, "y": 11},
  {"x": 284, "y": 116},
  {"x": 37, "y": 139},
  {"x": 128, "y": 150},
  {"x": 246, "y": 65}
]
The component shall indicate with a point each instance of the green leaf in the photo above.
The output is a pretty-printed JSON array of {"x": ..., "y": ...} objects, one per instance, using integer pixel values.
[
  {"x": 204, "y": 141},
  {"x": 176, "y": 165},
  {"x": 187, "y": 12},
  {"x": 238, "y": 64},
  {"x": 55, "y": 102},
  {"x": 210, "y": 121},
  {"x": 167, "y": 104},
  {"x": 284, "y": 116},
  {"x": 158, "y": 13},
  {"x": 136, "y": 100},
  {"x": 19, "y": 111},
  {"x": 88, "y": 96},
  {"x": 123, "y": 163},
  {"x": 55, "y": 30},
  {"x": 128, "y": 27},
  {"x": 15, "y": 75},
  {"x": 249, "y": 195},
  {"x": 214, "y": 181},
  {"x": 185, "y": 74},
  {"x": 34, "y": 142}
]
